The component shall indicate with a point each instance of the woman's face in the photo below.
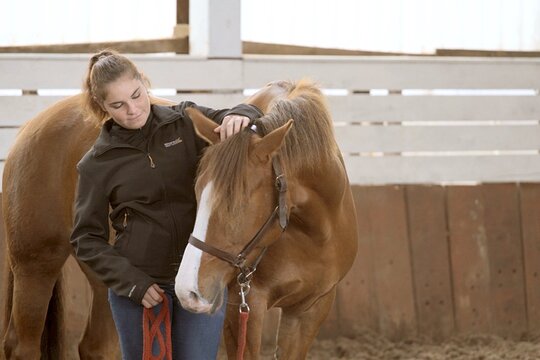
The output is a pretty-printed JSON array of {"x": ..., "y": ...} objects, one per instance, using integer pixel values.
[{"x": 127, "y": 102}]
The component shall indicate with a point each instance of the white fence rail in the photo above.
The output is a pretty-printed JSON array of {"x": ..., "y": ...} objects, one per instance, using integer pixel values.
[{"x": 398, "y": 119}]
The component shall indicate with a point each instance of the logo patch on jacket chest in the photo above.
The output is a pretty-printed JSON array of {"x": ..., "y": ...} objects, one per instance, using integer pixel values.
[{"x": 172, "y": 143}]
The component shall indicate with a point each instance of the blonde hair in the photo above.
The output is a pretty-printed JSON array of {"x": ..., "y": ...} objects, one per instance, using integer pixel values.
[{"x": 105, "y": 67}]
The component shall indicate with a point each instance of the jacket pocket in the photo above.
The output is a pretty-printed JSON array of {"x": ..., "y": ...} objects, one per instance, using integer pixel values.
[{"x": 122, "y": 225}]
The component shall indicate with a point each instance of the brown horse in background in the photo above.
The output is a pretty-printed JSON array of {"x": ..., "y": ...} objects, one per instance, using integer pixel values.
[
  {"x": 38, "y": 191},
  {"x": 275, "y": 199}
]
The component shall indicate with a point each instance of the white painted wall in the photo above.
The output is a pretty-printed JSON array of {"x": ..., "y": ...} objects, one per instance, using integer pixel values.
[{"x": 415, "y": 26}]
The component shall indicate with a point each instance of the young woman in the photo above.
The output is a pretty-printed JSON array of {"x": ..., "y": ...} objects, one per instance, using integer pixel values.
[{"x": 140, "y": 173}]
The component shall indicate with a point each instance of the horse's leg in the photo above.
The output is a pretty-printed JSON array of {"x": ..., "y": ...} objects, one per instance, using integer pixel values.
[
  {"x": 298, "y": 329},
  {"x": 33, "y": 282},
  {"x": 258, "y": 306},
  {"x": 8, "y": 342},
  {"x": 100, "y": 340}
]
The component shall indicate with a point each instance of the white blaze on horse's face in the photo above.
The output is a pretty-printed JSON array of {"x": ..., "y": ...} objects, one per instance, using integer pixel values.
[{"x": 186, "y": 285}]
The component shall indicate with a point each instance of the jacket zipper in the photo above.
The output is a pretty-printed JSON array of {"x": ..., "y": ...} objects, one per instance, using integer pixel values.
[
  {"x": 164, "y": 189},
  {"x": 152, "y": 164},
  {"x": 176, "y": 253},
  {"x": 125, "y": 224}
]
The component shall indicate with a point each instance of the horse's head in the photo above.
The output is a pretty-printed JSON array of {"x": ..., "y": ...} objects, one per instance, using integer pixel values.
[{"x": 236, "y": 195}]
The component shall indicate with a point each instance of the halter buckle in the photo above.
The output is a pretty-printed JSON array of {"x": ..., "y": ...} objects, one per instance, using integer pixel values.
[{"x": 281, "y": 184}]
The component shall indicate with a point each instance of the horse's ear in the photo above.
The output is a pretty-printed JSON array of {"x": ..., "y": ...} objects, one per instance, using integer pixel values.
[
  {"x": 271, "y": 143},
  {"x": 204, "y": 127}
]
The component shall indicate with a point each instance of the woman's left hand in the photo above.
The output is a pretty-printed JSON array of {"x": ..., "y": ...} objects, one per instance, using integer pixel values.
[{"x": 231, "y": 125}]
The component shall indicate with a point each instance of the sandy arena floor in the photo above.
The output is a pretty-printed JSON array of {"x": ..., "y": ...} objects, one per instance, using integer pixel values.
[{"x": 370, "y": 346}]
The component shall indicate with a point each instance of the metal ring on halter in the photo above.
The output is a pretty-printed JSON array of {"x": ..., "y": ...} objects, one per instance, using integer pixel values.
[
  {"x": 244, "y": 290},
  {"x": 279, "y": 183},
  {"x": 244, "y": 308},
  {"x": 245, "y": 276}
]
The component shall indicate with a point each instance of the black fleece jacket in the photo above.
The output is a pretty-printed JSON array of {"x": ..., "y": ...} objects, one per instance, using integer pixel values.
[{"x": 143, "y": 181}]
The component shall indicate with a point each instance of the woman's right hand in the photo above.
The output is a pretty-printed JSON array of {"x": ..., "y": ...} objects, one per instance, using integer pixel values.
[{"x": 153, "y": 296}]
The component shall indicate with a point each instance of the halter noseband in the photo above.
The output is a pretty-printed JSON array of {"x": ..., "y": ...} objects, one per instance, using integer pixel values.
[{"x": 280, "y": 212}]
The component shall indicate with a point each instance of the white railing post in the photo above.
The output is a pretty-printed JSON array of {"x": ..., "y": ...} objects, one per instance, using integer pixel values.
[{"x": 215, "y": 28}]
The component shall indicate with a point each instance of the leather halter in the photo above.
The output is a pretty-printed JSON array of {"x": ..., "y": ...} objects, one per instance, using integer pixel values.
[{"x": 280, "y": 212}]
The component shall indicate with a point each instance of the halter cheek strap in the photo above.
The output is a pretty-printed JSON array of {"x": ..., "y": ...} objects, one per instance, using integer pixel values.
[{"x": 281, "y": 185}]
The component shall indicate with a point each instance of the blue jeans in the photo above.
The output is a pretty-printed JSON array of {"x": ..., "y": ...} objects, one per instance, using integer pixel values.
[{"x": 194, "y": 336}]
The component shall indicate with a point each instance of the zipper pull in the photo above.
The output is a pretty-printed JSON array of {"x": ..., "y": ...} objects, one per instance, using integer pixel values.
[
  {"x": 152, "y": 164},
  {"x": 125, "y": 219}
]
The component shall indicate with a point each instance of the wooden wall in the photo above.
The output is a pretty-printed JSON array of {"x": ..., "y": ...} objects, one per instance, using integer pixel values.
[
  {"x": 433, "y": 261},
  {"x": 443, "y": 260}
]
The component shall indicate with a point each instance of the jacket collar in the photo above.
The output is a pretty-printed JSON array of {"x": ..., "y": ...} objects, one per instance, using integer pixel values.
[{"x": 105, "y": 141}]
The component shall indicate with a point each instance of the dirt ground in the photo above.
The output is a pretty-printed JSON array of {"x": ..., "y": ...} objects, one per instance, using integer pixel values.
[{"x": 367, "y": 345}]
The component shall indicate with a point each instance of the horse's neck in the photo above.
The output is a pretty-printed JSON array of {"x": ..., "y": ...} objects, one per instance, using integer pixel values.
[
  {"x": 315, "y": 197},
  {"x": 327, "y": 183}
]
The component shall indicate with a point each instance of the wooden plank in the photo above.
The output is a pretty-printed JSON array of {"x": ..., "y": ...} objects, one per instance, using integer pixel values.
[
  {"x": 7, "y": 139},
  {"x": 189, "y": 73},
  {"x": 505, "y": 255},
  {"x": 357, "y": 299},
  {"x": 530, "y": 213},
  {"x": 16, "y": 110},
  {"x": 490, "y": 53},
  {"x": 426, "y": 209},
  {"x": 442, "y": 169},
  {"x": 182, "y": 11},
  {"x": 428, "y": 169},
  {"x": 391, "y": 261},
  {"x": 361, "y": 73},
  {"x": 355, "y": 139},
  {"x": 216, "y": 101},
  {"x": 178, "y": 44},
  {"x": 250, "y": 47},
  {"x": 343, "y": 108},
  {"x": 31, "y": 71},
  {"x": 470, "y": 259},
  {"x": 395, "y": 108}
]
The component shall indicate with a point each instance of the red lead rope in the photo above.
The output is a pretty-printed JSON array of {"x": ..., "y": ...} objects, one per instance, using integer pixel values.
[
  {"x": 242, "y": 319},
  {"x": 152, "y": 332},
  {"x": 242, "y": 334}
]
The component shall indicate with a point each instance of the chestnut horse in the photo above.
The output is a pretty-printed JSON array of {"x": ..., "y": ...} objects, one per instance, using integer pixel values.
[
  {"x": 274, "y": 198},
  {"x": 38, "y": 191}
]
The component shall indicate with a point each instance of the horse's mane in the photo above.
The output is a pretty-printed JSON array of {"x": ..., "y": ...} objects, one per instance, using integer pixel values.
[{"x": 309, "y": 143}]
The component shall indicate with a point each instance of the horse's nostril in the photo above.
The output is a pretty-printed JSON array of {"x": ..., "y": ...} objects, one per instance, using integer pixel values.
[{"x": 193, "y": 295}]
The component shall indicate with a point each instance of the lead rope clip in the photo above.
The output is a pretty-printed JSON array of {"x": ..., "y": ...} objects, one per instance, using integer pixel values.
[{"x": 244, "y": 290}]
